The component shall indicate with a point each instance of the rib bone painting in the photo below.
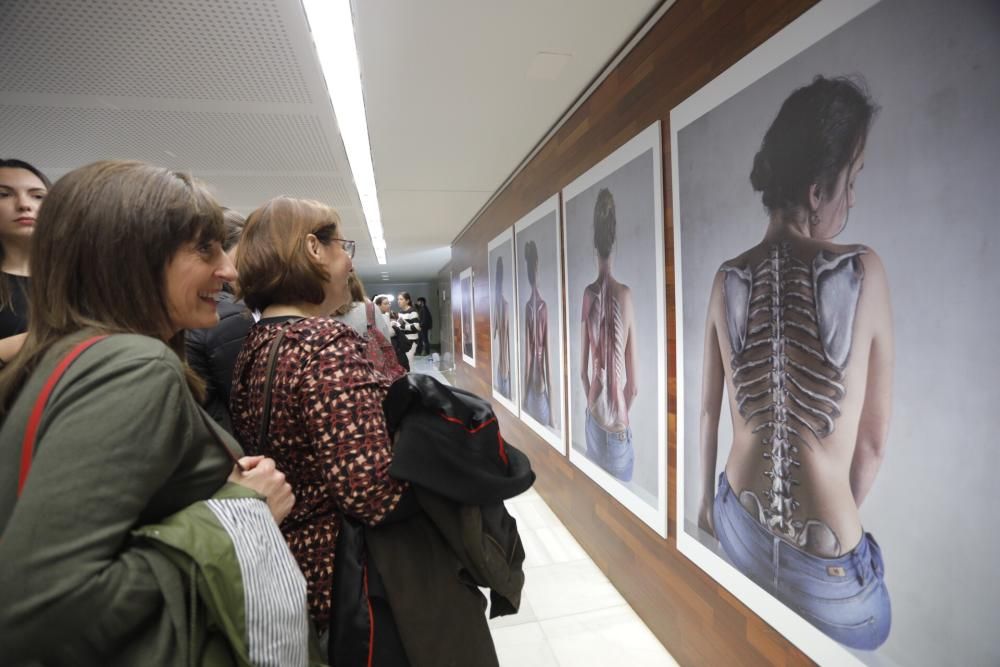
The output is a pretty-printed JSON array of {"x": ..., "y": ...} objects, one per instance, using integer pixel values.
[
  {"x": 819, "y": 410},
  {"x": 616, "y": 320}
]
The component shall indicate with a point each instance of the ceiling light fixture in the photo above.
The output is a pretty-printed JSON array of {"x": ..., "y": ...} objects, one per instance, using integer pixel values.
[{"x": 332, "y": 27}]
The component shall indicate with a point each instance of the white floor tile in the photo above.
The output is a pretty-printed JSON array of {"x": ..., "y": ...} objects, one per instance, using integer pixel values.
[
  {"x": 559, "y": 545},
  {"x": 532, "y": 512},
  {"x": 523, "y": 646},
  {"x": 562, "y": 589},
  {"x": 606, "y": 637},
  {"x": 525, "y": 614}
]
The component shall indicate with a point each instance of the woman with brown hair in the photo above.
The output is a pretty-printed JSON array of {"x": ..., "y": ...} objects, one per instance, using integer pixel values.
[
  {"x": 22, "y": 190},
  {"x": 122, "y": 442},
  {"x": 303, "y": 391}
]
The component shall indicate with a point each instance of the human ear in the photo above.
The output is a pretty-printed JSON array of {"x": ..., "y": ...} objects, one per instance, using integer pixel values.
[
  {"x": 313, "y": 247},
  {"x": 815, "y": 196}
]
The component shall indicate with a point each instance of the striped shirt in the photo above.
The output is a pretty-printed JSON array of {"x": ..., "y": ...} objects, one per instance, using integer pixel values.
[{"x": 409, "y": 323}]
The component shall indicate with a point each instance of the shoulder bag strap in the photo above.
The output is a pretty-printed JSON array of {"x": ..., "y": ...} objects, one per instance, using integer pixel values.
[
  {"x": 31, "y": 431},
  {"x": 272, "y": 361}
]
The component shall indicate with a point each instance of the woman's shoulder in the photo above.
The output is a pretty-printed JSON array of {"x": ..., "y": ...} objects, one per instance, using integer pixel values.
[
  {"x": 315, "y": 334},
  {"x": 132, "y": 347},
  {"x": 109, "y": 355}
]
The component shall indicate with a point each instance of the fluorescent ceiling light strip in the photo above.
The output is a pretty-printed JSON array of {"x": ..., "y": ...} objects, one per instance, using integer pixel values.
[{"x": 333, "y": 35}]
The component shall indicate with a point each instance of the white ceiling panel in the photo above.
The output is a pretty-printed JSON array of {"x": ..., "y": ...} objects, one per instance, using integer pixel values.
[
  {"x": 229, "y": 50},
  {"x": 457, "y": 94}
]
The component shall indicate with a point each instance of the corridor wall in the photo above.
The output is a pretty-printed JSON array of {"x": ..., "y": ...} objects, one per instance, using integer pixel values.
[{"x": 697, "y": 620}]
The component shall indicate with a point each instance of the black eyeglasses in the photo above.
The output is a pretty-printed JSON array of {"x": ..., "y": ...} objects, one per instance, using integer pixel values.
[{"x": 348, "y": 246}]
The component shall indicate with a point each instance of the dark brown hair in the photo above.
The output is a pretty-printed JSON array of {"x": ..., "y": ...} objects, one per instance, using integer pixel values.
[
  {"x": 272, "y": 261},
  {"x": 136, "y": 213},
  {"x": 819, "y": 130},
  {"x": 605, "y": 223},
  {"x": 10, "y": 163}
]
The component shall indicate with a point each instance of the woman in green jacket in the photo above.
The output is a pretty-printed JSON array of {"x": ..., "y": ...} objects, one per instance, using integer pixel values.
[{"x": 132, "y": 251}]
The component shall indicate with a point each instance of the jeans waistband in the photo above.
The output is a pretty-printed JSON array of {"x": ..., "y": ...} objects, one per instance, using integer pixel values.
[{"x": 861, "y": 562}]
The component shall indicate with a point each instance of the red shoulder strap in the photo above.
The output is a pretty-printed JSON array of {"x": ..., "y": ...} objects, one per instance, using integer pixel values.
[{"x": 28, "y": 445}]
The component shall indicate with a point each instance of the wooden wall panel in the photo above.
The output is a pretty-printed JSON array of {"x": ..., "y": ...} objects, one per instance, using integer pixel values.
[{"x": 698, "y": 621}]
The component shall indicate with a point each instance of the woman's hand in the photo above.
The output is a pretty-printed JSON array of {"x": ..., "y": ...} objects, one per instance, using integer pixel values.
[{"x": 260, "y": 474}]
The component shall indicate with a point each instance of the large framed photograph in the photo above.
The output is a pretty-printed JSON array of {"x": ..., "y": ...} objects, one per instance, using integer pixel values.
[
  {"x": 836, "y": 290},
  {"x": 503, "y": 320},
  {"x": 466, "y": 302},
  {"x": 616, "y": 319},
  {"x": 541, "y": 354}
]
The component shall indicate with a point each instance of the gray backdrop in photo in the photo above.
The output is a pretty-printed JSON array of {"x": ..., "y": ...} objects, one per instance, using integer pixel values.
[
  {"x": 633, "y": 263},
  {"x": 505, "y": 251},
  {"x": 545, "y": 234},
  {"x": 468, "y": 335},
  {"x": 927, "y": 204}
]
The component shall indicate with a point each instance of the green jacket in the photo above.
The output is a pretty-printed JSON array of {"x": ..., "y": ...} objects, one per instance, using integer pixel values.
[{"x": 122, "y": 444}]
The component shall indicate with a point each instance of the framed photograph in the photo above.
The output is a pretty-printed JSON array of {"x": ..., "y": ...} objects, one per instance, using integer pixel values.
[
  {"x": 503, "y": 320},
  {"x": 616, "y": 320},
  {"x": 541, "y": 354},
  {"x": 836, "y": 319},
  {"x": 466, "y": 302}
]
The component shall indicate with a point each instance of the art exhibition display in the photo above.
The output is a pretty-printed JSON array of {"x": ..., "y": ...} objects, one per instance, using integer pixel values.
[
  {"x": 503, "y": 320},
  {"x": 615, "y": 315},
  {"x": 466, "y": 302},
  {"x": 538, "y": 260},
  {"x": 836, "y": 314}
]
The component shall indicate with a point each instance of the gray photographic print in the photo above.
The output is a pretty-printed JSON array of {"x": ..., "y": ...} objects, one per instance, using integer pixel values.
[
  {"x": 834, "y": 267},
  {"x": 466, "y": 302},
  {"x": 616, "y": 321},
  {"x": 538, "y": 259},
  {"x": 503, "y": 320}
]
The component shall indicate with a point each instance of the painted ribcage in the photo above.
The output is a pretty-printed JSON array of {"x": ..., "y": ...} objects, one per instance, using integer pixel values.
[{"x": 785, "y": 386}]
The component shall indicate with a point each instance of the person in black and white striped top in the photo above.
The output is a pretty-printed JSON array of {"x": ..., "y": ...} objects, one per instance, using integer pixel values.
[{"x": 408, "y": 323}]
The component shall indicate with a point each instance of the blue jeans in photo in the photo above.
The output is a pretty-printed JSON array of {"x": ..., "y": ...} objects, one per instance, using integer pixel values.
[
  {"x": 845, "y": 597},
  {"x": 503, "y": 384},
  {"x": 537, "y": 405},
  {"x": 610, "y": 450}
]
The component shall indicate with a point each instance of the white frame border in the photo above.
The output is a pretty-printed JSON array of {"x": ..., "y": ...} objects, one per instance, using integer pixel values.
[
  {"x": 472, "y": 315},
  {"x": 647, "y": 139},
  {"x": 512, "y": 404},
  {"x": 550, "y": 205},
  {"x": 815, "y": 24}
]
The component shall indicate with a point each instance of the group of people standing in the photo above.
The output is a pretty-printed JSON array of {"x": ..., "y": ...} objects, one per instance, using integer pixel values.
[
  {"x": 410, "y": 325},
  {"x": 153, "y": 401}
]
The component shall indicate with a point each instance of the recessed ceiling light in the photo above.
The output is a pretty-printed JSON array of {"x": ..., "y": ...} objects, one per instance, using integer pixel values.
[{"x": 333, "y": 37}]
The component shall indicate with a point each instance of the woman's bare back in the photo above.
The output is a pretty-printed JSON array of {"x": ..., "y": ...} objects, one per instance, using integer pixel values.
[{"x": 795, "y": 320}]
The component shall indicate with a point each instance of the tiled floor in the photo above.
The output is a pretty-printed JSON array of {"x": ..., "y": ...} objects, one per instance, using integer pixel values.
[{"x": 570, "y": 615}]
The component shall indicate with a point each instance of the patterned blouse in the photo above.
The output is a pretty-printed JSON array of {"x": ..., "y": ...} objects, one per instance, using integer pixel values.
[{"x": 327, "y": 434}]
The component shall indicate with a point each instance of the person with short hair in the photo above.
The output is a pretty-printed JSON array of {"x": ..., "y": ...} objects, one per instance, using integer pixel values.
[{"x": 323, "y": 424}]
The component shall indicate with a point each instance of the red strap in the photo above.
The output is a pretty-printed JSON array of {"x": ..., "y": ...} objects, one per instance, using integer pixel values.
[{"x": 28, "y": 446}]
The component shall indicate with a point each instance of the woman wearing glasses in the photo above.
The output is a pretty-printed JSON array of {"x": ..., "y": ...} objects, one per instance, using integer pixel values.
[{"x": 322, "y": 422}]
